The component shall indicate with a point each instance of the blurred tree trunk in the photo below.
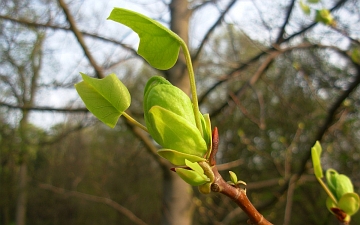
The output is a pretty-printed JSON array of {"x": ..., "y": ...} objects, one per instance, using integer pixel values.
[
  {"x": 29, "y": 87},
  {"x": 177, "y": 198}
]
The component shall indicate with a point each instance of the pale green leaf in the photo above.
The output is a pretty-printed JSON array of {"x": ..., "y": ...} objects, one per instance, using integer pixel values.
[
  {"x": 330, "y": 204},
  {"x": 194, "y": 166},
  {"x": 315, "y": 155},
  {"x": 305, "y": 8},
  {"x": 349, "y": 203},
  {"x": 178, "y": 158},
  {"x": 106, "y": 98},
  {"x": 233, "y": 177},
  {"x": 192, "y": 177},
  {"x": 313, "y": 1},
  {"x": 158, "y": 45},
  {"x": 174, "y": 132}
]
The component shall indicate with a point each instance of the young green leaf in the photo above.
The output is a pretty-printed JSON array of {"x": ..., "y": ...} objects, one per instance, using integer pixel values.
[
  {"x": 305, "y": 8},
  {"x": 313, "y": 1},
  {"x": 349, "y": 203},
  {"x": 159, "y": 46},
  {"x": 192, "y": 177},
  {"x": 178, "y": 158},
  {"x": 324, "y": 16},
  {"x": 194, "y": 166},
  {"x": 315, "y": 155},
  {"x": 233, "y": 177},
  {"x": 175, "y": 132},
  {"x": 106, "y": 98}
]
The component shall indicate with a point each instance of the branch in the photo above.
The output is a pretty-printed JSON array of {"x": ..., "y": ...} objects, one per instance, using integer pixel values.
[
  {"x": 229, "y": 165},
  {"x": 330, "y": 117},
  {"x": 121, "y": 209},
  {"x": 44, "y": 108},
  {"x": 80, "y": 39},
  {"x": 210, "y": 31},
  {"x": 258, "y": 56},
  {"x": 280, "y": 37},
  {"x": 252, "y": 80},
  {"x": 56, "y": 27},
  {"x": 238, "y": 195}
]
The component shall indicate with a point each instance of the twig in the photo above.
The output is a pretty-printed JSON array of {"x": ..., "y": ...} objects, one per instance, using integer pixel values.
[
  {"x": 210, "y": 31},
  {"x": 80, "y": 39},
  {"x": 238, "y": 195},
  {"x": 121, "y": 209}
]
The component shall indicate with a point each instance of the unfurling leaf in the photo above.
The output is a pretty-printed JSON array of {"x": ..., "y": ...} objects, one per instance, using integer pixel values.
[
  {"x": 233, "y": 177},
  {"x": 106, "y": 98},
  {"x": 349, "y": 203},
  {"x": 324, "y": 16},
  {"x": 170, "y": 120},
  {"x": 315, "y": 155},
  {"x": 178, "y": 158},
  {"x": 158, "y": 45},
  {"x": 194, "y": 176},
  {"x": 313, "y": 1},
  {"x": 305, "y": 8},
  {"x": 339, "y": 184}
]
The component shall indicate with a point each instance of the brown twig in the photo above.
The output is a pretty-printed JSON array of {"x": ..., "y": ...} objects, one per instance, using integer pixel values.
[{"x": 238, "y": 195}]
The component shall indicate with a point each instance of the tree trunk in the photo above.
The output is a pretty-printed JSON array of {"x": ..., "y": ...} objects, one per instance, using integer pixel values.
[
  {"x": 22, "y": 195},
  {"x": 177, "y": 201},
  {"x": 177, "y": 197}
]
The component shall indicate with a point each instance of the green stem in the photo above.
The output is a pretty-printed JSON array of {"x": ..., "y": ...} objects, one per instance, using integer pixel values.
[
  {"x": 194, "y": 98},
  {"x": 133, "y": 121},
  {"x": 327, "y": 190}
]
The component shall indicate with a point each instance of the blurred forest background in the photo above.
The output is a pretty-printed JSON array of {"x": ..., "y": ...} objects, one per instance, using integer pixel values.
[{"x": 273, "y": 79}]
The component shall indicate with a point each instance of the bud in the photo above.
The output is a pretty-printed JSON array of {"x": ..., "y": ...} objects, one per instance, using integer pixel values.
[{"x": 170, "y": 120}]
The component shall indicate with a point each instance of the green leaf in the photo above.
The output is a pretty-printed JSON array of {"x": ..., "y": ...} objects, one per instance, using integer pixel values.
[
  {"x": 339, "y": 184},
  {"x": 178, "y": 158},
  {"x": 158, "y": 45},
  {"x": 324, "y": 16},
  {"x": 313, "y": 1},
  {"x": 194, "y": 166},
  {"x": 106, "y": 98},
  {"x": 160, "y": 92},
  {"x": 349, "y": 203},
  {"x": 305, "y": 8},
  {"x": 207, "y": 134},
  {"x": 174, "y": 132},
  {"x": 315, "y": 155},
  {"x": 192, "y": 177},
  {"x": 233, "y": 177},
  {"x": 355, "y": 56},
  {"x": 330, "y": 204}
]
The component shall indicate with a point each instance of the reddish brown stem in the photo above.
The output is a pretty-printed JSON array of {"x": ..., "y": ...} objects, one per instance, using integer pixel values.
[{"x": 238, "y": 195}]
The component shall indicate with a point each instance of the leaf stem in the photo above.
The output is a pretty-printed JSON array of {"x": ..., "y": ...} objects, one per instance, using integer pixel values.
[
  {"x": 328, "y": 192},
  {"x": 194, "y": 98},
  {"x": 135, "y": 122}
]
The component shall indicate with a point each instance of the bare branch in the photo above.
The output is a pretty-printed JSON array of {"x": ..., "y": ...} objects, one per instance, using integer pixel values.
[
  {"x": 211, "y": 30},
  {"x": 280, "y": 37},
  {"x": 229, "y": 165},
  {"x": 80, "y": 39},
  {"x": 56, "y": 27},
  {"x": 258, "y": 56},
  {"x": 121, "y": 209},
  {"x": 44, "y": 108}
]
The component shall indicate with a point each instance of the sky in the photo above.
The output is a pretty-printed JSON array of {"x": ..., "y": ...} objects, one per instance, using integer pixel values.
[{"x": 65, "y": 58}]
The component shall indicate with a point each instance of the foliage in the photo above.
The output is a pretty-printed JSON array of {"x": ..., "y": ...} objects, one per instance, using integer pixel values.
[{"x": 342, "y": 201}]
